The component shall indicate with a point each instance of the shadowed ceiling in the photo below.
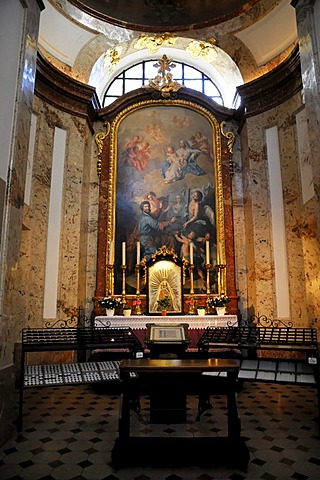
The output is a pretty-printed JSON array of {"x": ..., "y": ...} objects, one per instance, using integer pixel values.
[{"x": 169, "y": 14}]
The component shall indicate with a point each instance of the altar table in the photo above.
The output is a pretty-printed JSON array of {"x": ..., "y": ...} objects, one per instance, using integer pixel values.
[{"x": 197, "y": 323}]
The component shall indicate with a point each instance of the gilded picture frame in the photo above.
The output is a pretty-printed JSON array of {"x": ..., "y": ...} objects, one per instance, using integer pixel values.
[{"x": 146, "y": 165}]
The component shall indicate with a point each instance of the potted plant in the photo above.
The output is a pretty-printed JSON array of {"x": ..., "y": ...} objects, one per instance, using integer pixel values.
[
  {"x": 201, "y": 309},
  {"x": 110, "y": 304},
  {"x": 164, "y": 303},
  {"x": 126, "y": 310},
  {"x": 219, "y": 303}
]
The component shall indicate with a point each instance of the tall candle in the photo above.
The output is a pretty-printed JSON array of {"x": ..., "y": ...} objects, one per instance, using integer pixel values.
[
  {"x": 123, "y": 253},
  {"x": 220, "y": 254},
  {"x": 111, "y": 253},
  {"x": 207, "y": 252},
  {"x": 138, "y": 252},
  {"x": 191, "y": 253}
]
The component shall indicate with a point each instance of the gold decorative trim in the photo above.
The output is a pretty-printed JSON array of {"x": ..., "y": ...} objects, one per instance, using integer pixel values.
[
  {"x": 165, "y": 251},
  {"x": 111, "y": 58},
  {"x": 99, "y": 138},
  {"x": 163, "y": 82},
  {"x": 230, "y": 136},
  {"x": 153, "y": 43},
  {"x": 204, "y": 50}
]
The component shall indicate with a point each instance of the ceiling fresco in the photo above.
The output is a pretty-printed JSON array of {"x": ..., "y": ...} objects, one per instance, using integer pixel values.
[{"x": 147, "y": 15}]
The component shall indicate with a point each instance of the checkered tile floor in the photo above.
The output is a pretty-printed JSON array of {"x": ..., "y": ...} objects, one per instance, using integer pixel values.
[{"x": 69, "y": 432}]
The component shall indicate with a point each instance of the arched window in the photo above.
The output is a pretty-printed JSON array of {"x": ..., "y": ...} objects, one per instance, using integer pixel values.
[{"x": 139, "y": 74}]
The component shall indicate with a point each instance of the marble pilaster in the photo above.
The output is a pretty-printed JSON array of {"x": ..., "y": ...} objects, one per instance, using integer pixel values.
[
  {"x": 27, "y": 15},
  {"x": 308, "y": 18}
]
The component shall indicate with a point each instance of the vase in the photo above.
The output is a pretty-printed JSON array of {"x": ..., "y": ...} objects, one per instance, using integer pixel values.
[
  {"x": 201, "y": 312},
  {"x": 110, "y": 312},
  {"x": 164, "y": 313},
  {"x": 221, "y": 311},
  {"x": 127, "y": 312}
]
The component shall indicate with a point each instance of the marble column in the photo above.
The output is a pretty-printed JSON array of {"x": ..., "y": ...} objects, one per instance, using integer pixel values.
[
  {"x": 308, "y": 20},
  {"x": 19, "y": 25}
]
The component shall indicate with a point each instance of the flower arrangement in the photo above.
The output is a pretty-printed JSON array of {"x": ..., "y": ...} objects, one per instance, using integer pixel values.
[
  {"x": 164, "y": 302},
  {"x": 220, "y": 301},
  {"x": 109, "y": 302},
  {"x": 190, "y": 302}
]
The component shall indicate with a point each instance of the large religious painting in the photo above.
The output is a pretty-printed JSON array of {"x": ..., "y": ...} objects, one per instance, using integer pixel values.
[{"x": 165, "y": 176}]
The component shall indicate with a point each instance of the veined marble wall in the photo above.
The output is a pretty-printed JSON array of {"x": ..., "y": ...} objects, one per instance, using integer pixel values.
[
  {"x": 256, "y": 259},
  {"x": 255, "y": 267},
  {"x": 78, "y": 219}
]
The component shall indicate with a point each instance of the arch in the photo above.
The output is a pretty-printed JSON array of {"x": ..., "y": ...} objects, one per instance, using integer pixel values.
[{"x": 222, "y": 70}]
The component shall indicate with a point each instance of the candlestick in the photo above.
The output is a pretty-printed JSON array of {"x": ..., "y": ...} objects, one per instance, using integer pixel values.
[
  {"x": 123, "y": 283},
  {"x": 110, "y": 272},
  {"x": 138, "y": 252},
  {"x": 123, "y": 253},
  {"x": 207, "y": 267},
  {"x": 191, "y": 253},
  {"x": 207, "y": 252},
  {"x": 137, "y": 302},
  {"x": 111, "y": 253}
]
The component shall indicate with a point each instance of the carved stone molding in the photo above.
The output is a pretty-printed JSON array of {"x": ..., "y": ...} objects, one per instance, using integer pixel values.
[
  {"x": 271, "y": 89},
  {"x": 65, "y": 93}
]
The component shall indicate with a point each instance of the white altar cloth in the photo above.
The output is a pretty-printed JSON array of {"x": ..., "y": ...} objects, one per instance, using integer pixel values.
[{"x": 140, "y": 321}]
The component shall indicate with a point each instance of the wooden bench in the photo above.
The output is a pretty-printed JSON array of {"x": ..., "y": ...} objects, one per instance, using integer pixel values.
[
  {"x": 294, "y": 358},
  {"x": 80, "y": 340}
]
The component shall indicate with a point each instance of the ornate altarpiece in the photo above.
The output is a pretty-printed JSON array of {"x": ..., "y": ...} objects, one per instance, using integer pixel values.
[{"x": 164, "y": 145}]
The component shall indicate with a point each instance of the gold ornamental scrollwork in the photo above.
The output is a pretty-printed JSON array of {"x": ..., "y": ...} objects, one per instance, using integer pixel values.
[
  {"x": 204, "y": 50},
  {"x": 154, "y": 42},
  {"x": 163, "y": 82},
  {"x": 230, "y": 136},
  {"x": 99, "y": 138}
]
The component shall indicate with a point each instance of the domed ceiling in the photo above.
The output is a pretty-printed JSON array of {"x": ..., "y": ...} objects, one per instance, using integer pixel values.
[
  {"x": 256, "y": 34},
  {"x": 149, "y": 15}
]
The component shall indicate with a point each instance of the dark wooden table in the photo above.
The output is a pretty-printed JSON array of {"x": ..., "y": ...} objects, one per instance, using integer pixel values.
[{"x": 178, "y": 375}]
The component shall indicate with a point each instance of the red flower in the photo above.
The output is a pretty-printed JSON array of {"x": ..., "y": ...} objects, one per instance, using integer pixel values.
[{"x": 189, "y": 302}]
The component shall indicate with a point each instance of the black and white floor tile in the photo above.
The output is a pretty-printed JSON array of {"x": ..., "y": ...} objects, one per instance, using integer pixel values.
[{"x": 69, "y": 432}]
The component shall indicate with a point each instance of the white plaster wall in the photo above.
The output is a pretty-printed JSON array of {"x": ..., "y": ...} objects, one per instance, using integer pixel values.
[
  {"x": 54, "y": 225},
  {"x": 278, "y": 225}
]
